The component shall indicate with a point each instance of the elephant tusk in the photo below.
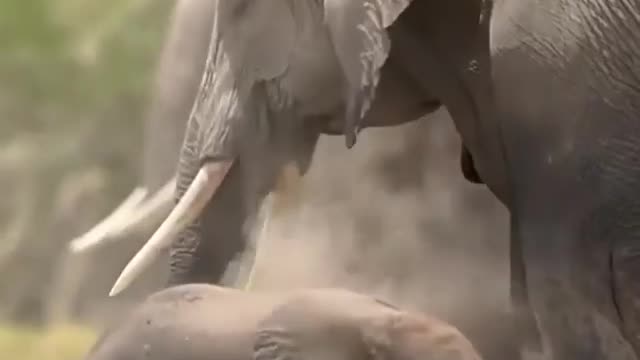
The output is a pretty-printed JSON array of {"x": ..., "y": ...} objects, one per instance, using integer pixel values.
[
  {"x": 128, "y": 218},
  {"x": 189, "y": 207},
  {"x": 149, "y": 212},
  {"x": 102, "y": 230}
]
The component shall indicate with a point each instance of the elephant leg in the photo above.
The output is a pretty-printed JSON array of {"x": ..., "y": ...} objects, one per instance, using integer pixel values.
[
  {"x": 626, "y": 267},
  {"x": 523, "y": 318},
  {"x": 569, "y": 286},
  {"x": 499, "y": 334}
]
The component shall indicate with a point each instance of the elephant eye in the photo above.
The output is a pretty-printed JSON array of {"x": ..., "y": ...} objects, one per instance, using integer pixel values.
[{"x": 382, "y": 302}]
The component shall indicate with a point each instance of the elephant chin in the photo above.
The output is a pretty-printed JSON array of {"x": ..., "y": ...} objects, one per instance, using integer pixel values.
[{"x": 187, "y": 210}]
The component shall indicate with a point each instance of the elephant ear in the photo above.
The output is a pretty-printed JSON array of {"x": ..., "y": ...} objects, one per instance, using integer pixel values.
[
  {"x": 257, "y": 36},
  {"x": 275, "y": 344},
  {"x": 358, "y": 32},
  {"x": 376, "y": 337}
]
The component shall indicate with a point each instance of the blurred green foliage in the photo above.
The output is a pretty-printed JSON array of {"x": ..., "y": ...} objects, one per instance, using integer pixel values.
[
  {"x": 74, "y": 79},
  {"x": 58, "y": 343},
  {"x": 73, "y": 67}
]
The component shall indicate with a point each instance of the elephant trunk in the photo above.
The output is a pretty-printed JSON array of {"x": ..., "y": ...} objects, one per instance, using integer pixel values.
[
  {"x": 186, "y": 211},
  {"x": 203, "y": 249}
]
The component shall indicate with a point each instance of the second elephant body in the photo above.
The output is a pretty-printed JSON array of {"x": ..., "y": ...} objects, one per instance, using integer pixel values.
[{"x": 197, "y": 322}]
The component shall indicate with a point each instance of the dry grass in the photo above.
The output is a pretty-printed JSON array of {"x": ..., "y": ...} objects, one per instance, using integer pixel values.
[{"x": 68, "y": 342}]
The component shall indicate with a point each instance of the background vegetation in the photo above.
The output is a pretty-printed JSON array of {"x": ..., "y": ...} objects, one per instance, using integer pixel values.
[{"x": 74, "y": 77}]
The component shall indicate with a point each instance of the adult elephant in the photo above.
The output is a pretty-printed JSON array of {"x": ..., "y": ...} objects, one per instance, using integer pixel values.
[
  {"x": 197, "y": 321},
  {"x": 545, "y": 96}
]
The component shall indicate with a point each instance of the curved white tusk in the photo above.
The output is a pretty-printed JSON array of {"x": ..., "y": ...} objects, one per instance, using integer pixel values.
[
  {"x": 149, "y": 212},
  {"x": 103, "y": 229},
  {"x": 189, "y": 207},
  {"x": 129, "y": 217}
]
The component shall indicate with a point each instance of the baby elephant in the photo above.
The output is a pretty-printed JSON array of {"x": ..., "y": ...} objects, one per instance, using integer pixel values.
[{"x": 206, "y": 322}]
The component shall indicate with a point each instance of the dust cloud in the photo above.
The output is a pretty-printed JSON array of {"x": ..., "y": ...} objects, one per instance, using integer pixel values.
[{"x": 392, "y": 217}]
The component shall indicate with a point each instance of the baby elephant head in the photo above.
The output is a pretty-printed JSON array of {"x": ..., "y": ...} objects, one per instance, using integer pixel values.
[
  {"x": 371, "y": 331},
  {"x": 407, "y": 336}
]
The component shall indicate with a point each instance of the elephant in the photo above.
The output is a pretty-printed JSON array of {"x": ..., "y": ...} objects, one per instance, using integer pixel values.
[
  {"x": 202, "y": 321},
  {"x": 544, "y": 95}
]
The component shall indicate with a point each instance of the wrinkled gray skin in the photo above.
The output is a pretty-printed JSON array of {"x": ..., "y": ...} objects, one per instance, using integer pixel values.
[
  {"x": 558, "y": 149},
  {"x": 571, "y": 140},
  {"x": 198, "y": 322},
  {"x": 561, "y": 154}
]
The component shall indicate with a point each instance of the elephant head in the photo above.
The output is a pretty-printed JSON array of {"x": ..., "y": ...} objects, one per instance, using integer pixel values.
[
  {"x": 277, "y": 75},
  {"x": 337, "y": 324}
]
